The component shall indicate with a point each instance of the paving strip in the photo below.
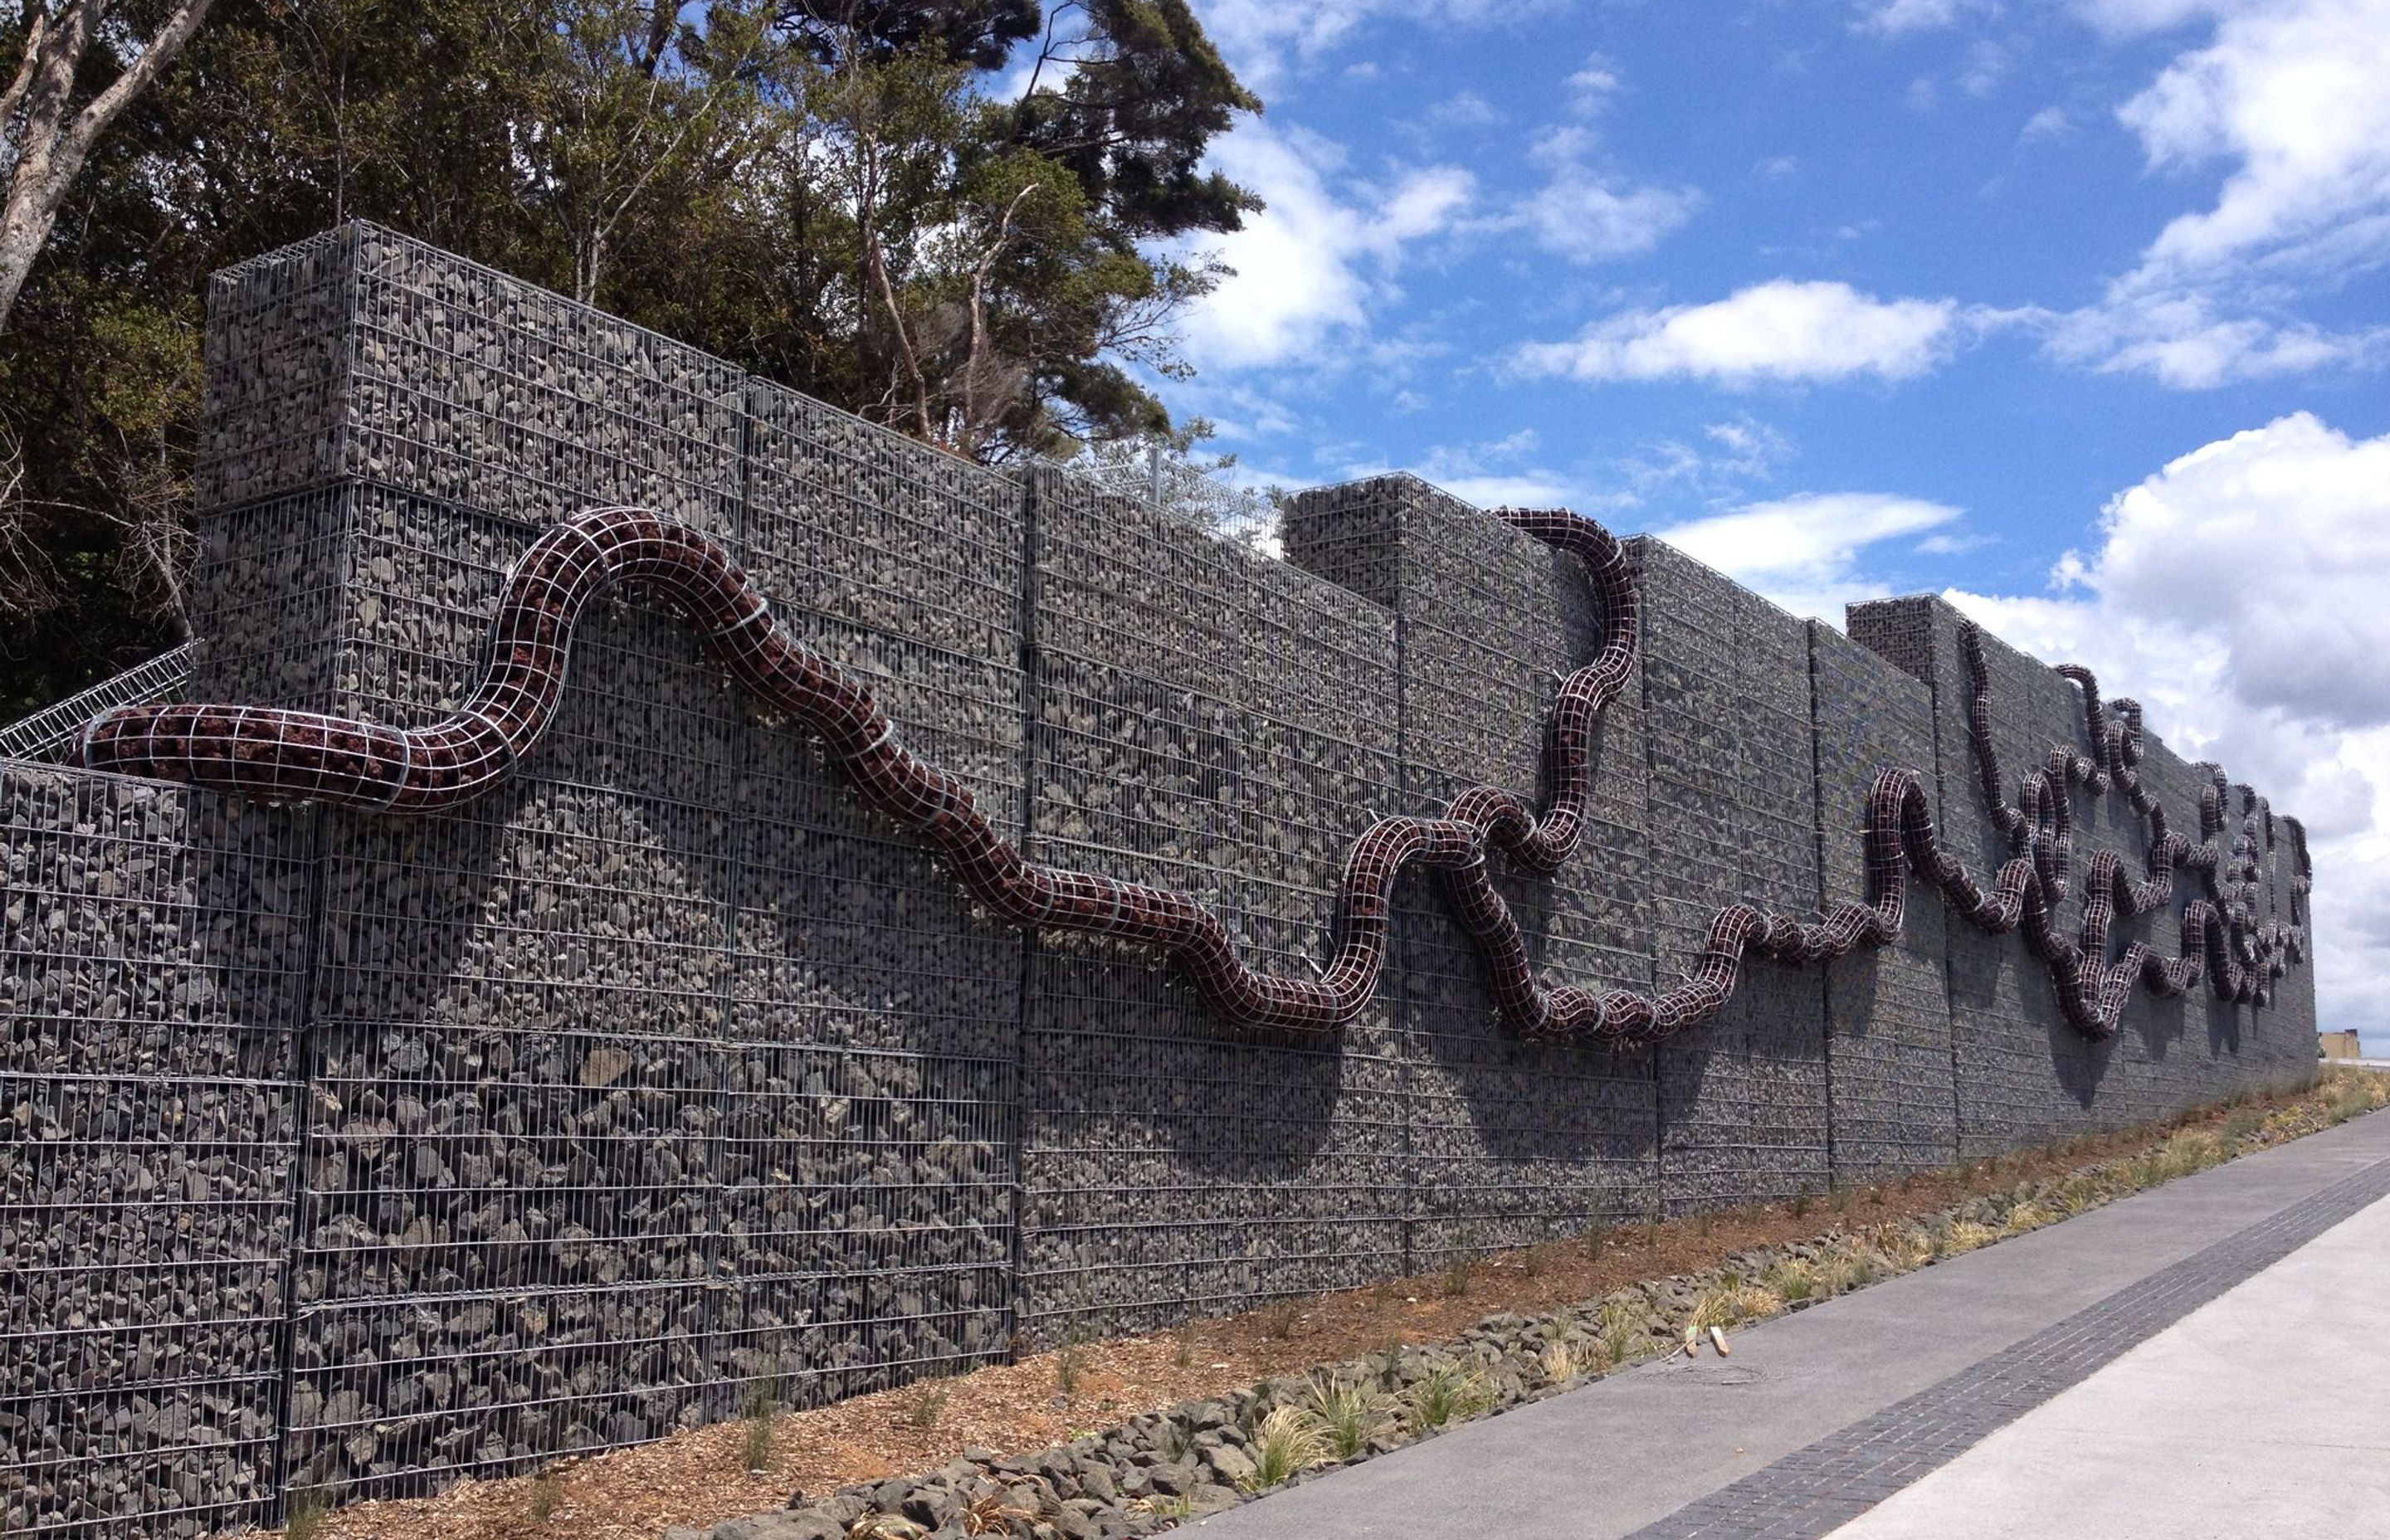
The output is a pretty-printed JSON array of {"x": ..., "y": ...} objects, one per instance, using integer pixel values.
[{"x": 1845, "y": 1403}]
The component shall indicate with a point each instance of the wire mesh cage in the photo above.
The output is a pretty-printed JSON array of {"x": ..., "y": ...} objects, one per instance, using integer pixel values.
[
  {"x": 52, "y": 732},
  {"x": 348, "y": 1153}
]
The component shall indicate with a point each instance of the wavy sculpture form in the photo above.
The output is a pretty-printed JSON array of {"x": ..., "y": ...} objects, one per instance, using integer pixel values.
[{"x": 280, "y": 755}]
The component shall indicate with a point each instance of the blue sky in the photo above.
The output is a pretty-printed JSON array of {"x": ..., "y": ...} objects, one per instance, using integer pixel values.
[{"x": 2073, "y": 309}]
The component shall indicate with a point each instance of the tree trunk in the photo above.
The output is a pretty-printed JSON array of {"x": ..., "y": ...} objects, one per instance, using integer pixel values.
[{"x": 55, "y": 137}]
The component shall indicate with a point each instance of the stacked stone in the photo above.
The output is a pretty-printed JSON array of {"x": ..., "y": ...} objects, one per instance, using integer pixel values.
[
  {"x": 867, "y": 1133},
  {"x": 1734, "y": 809},
  {"x": 1888, "y": 1009},
  {"x": 661, "y": 1078},
  {"x": 639, "y": 1083},
  {"x": 1208, "y": 720},
  {"x": 147, "y": 988},
  {"x": 1510, "y": 1142},
  {"x": 2022, "y": 1074},
  {"x": 510, "y": 1129}
]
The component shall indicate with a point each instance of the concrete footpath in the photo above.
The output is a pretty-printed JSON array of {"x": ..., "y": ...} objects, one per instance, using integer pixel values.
[
  {"x": 2266, "y": 1413},
  {"x": 1955, "y": 1397}
]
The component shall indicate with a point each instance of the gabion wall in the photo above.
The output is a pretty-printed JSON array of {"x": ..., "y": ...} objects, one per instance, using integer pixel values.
[{"x": 356, "y": 1154}]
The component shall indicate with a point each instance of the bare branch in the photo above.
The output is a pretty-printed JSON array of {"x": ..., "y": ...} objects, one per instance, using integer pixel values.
[
  {"x": 975, "y": 362},
  {"x": 55, "y": 138}
]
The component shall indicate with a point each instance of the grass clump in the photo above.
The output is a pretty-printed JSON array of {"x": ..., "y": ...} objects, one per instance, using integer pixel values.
[
  {"x": 1456, "y": 1278},
  {"x": 929, "y": 1404},
  {"x": 994, "y": 1512},
  {"x": 1450, "y": 1390},
  {"x": 2354, "y": 1095},
  {"x": 1620, "y": 1327},
  {"x": 1792, "y": 1280},
  {"x": 303, "y": 1519},
  {"x": 1733, "y": 1302},
  {"x": 1845, "y": 1271},
  {"x": 1344, "y": 1416},
  {"x": 763, "y": 1425},
  {"x": 547, "y": 1490},
  {"x": 1962, "y": 1236},
  {"x": 2031, "y": 1214},
  {"x": 1564, "y": 1358},
  {"x": 1286, "y": 1441},
  {"x": 883, "y": 1526},
  {"x": 1070, "y": 1365},
  {"x": 1278, "y": 1321}
]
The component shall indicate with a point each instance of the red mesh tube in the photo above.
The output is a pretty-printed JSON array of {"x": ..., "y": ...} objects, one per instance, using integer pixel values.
[{"x": 278, "y": 755}]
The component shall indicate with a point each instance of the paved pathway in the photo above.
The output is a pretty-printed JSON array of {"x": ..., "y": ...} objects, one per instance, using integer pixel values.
[
  {"x": 1820, "y": 1414},
  {"x": 2266, "y": 1413}
]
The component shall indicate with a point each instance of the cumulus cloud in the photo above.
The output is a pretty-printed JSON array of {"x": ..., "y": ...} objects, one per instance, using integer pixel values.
[
  {"x": 1586, "y": 218},
  {"x": 1778, "y": 330},
  {"x": 2239, "y": 594},
  {"x": 1312, "y": 263},
  {"x": 2287, "y": 94},
  {"x": 1587, "y": 213},
  {"x": 1804, "y": 553}
]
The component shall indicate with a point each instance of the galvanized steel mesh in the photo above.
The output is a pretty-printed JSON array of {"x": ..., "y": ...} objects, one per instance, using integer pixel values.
[{"x": 352, "y": 1153}]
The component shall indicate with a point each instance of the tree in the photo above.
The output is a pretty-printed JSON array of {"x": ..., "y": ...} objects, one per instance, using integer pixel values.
[
  {"x": 634, "y": 90},
  {"x": 52, "y": 118},
  {"x": 828, "y": 193}
]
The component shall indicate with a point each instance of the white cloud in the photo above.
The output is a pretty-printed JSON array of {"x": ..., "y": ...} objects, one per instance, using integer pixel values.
[
  {"x": 1585, "y": 218},
  {"x": 1778, "y": 330},
  {"x": 1465, "y": 109},
  {"x": 1592, "y": 86},
  {"x": 1585, "y": 212},
  {"x": 1751, "y": 446},
  {"x": 2289, "y": 95},
  {"x": 1311, "y": 265},
  {"x": 1266, "y": 39},
  {"x": 2179, "y": 335},
  {"x": 1894, "y": 17},
  {"x": 2239, "y": 594},
  {"x": 1491, "y": 474},
  {"x": 2050, "y": 122},
  {"x": 1988, "y": 63},
  {"x": 1802, "y": 551},
  {"x": 2294, "y": 93}
]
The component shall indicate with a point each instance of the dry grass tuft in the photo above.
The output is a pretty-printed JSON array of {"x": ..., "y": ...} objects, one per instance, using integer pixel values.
[
  {"x": 1734, "y": 1302},
  {"x": 1286, "y": 1442}
]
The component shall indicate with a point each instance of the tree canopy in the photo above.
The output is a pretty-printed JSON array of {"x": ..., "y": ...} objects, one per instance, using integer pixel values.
[{"x": 968, "y": 219}]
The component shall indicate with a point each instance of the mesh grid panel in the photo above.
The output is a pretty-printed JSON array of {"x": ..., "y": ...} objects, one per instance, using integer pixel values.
[{"x": 356, "y": 1153}]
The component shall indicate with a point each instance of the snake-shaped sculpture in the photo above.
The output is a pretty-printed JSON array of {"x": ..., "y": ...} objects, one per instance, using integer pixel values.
[{"x": 278, "y": 755}]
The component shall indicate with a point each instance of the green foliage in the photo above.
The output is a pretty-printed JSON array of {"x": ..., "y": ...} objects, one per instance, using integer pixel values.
[
  {"x": 1346, "y": 1417},
  {"x": 827, "y": 195},
  {"x": 1286, "y": 1441},
  {"x": 763, "y": 1424},
  {"x": 303, "y": 1517},
  {"x": 1071, "y": 1364},
  {"x": 547, "y": 1491},
  {"x": 1447, "y": 1390}
]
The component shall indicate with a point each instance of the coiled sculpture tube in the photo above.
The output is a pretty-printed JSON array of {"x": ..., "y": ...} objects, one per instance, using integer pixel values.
[{"x": 278, "y": 755}]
